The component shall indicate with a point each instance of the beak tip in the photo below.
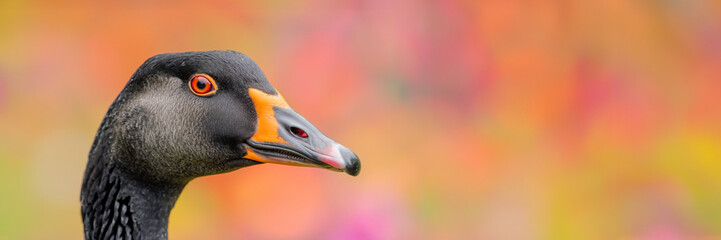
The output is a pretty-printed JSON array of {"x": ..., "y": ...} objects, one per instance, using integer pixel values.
[
  {"x": 353, "y": 170},
  {"x": 354, "y": 167}
]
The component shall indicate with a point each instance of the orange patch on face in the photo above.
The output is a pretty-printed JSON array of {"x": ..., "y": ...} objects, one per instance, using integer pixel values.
[
  {"x": 252, "y": 155},
  {"x": 267, "y": 124}
]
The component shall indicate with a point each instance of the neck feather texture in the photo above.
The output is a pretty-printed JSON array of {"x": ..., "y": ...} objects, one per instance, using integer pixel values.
[{"x": 118, "y": 205}]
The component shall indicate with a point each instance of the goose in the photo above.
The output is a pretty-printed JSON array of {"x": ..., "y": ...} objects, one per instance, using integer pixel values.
[{"x": 186, "y": 115}]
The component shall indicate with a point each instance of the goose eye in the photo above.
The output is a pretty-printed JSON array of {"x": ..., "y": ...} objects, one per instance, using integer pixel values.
[
  {"x": 298, "y": 132},
  {"x": 202, "y": 85}
]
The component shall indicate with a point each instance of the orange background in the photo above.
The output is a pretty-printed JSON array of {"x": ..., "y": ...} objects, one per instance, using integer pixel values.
[{"x": 473, "y": 119}]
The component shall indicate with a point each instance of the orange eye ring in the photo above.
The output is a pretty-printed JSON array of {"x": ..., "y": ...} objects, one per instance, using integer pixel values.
[{"x": 202, "y": 85}]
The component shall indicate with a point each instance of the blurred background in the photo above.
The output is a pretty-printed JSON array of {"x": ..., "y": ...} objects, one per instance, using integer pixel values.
[{"x": 473, "y": 119}]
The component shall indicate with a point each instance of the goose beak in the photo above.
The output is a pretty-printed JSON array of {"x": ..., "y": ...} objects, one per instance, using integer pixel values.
[{"x": 285, "y": 137}]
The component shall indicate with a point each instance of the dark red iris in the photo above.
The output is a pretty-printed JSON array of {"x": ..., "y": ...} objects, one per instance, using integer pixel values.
[
  {"x": 298, "y": 132},
  {"x": 202, "y": 85}
]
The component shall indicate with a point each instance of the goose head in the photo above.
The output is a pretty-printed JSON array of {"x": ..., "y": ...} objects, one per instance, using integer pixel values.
[{"x": 185, "y": 115}]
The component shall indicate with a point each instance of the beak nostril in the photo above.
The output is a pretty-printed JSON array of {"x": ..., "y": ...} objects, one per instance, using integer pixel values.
[{"x": 298, "y": 132}]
